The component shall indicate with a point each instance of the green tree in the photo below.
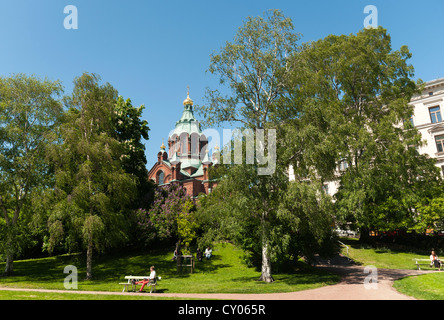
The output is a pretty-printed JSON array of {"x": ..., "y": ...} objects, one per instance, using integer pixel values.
[
  {"x": 430, "y": 215},
  {"x": 29, "y": 112},
  {"x": 255, "y": 67},
  {"x": 92, "y": 190},
  {"x": 187, "y": 226},
  {"x": 361, "y": 89},
  {"x": 131, "y": 129},
  {"x": 306, "y": 216},
  {"x": 244, "y": 209}
]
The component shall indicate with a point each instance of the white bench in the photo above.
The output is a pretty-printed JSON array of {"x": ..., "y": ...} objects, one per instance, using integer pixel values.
[
  {"x": 133, "y": 285},
  {"x": 422, "y": 262}
]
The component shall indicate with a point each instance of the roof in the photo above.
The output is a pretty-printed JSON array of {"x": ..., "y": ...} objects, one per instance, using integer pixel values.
[
  {"x": 435, "y": 82},
  {"x": 187, "y": 123}
]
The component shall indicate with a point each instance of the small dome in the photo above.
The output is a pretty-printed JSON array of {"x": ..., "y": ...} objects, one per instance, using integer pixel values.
[{"x": 188, "y": 100}]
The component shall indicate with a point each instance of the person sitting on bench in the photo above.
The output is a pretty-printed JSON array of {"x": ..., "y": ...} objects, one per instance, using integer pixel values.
[
  {"x": 151, "y": 279},
  {"x": 434, "y": 261}
]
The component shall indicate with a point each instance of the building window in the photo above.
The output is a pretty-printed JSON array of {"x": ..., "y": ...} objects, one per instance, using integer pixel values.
[
  {"x": 343, "y": 165},
  {"x": 440, "y": 143},
  {"x": 325, "y": 188},
  {"x": 160, "y": 177},
  {"x": 435, "y": 114}
]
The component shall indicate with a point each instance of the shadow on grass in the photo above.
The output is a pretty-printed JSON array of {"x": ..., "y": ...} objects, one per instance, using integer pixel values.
[
  {"x": 110, "y": 269},
  {"x": 115, "y": 269},
  {"x": 42, "y": 269},
  {"x": 302, "y": 275}
]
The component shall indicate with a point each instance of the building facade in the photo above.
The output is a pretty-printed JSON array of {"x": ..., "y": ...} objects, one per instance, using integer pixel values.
[
  {"x": 428, "y": 119},
  {"x": 187, "y": 160}
]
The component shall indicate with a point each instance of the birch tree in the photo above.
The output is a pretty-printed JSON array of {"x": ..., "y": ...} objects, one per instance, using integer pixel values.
[
  {"x": 29, "y": 112},
  {"x": 92, "y": 191},
  {"x": 254, "y": 67}
]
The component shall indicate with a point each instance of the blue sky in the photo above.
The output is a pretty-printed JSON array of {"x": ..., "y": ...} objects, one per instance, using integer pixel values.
[{"x": 150, "y": 51}]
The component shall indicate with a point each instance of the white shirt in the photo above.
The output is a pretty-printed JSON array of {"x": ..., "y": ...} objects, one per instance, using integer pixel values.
[{"x": 153, "y": 274}]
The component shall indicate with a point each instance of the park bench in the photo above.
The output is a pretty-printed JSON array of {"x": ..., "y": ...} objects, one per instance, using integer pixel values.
[
  {"x": 422, "y": 262},
  {"x": 133, "y": 285}
]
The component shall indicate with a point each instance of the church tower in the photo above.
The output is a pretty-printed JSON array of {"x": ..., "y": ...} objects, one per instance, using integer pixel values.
[{"x": 187, "y": 161}]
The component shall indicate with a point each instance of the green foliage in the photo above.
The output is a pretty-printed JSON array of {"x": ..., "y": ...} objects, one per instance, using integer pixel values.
[
  {"x": 92, "y": 191},
  {"x": 29, "y": 113},
  {"x": 297, "y": 221},
  {"x": 170, "y": 217},
  {"x": 130, "y": 130},
  {"x": 306, "y": 213},
  {"x": 254, "y": 66},
  {"x": 74, "y": 171},
  {"x": 92, "y": 231},
  {"x": 359, "y": 89},
  {"x": 430, "y": 215},
  {"x": 187, "y": 226}
]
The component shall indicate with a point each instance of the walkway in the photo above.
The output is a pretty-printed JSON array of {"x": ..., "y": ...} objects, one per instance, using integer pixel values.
[{"x": 350, "y": 288}]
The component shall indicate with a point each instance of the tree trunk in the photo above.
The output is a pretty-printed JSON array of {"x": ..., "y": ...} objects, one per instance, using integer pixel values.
[
  {"x": 266, "y": 263},
  {"x": 9, "y": 250},
  {"x": 364, "y": 235},
  {"x": 89, "y": 253},
  {"x": 9, "y": 253},
  {"x": 9, "y": 268}
]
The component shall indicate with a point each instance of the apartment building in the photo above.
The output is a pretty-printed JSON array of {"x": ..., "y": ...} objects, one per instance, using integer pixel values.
[{"x": 428, "y": 119}]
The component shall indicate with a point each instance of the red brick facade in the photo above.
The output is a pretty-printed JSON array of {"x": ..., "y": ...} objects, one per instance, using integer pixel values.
[{"x": 187, "y": 161}]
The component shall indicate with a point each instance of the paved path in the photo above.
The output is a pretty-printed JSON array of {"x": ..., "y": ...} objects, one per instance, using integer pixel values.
[{"x": 350, "y": 288}]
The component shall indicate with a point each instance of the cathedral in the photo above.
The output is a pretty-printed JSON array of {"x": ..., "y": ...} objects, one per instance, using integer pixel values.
[{"x": 187, "y": 161}]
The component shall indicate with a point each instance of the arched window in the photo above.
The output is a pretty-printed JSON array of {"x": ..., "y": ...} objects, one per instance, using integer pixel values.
[
  {"x": 195, "y": 144},
  {"x": 160, "y": 177}
]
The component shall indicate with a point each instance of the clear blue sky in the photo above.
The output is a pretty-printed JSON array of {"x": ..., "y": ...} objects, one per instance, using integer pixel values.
[{"x": 151, "y": 50}]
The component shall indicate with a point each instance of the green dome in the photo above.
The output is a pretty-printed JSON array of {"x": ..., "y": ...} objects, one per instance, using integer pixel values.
[{"x": 187, "y": 123}]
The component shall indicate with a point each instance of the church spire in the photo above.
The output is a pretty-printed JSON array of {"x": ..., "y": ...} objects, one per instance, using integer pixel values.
[{"x": 162, "y": 147}]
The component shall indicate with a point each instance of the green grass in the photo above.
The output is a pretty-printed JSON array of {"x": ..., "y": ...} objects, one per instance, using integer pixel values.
[
  {"x": 384, "y": 257},
  {"x": 225, "y": 272},
  {"x": 426, "y": 287},
  {"x": 32, "y": 295}
]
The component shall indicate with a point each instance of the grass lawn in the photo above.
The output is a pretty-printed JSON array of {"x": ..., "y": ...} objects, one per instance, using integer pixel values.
[
  {"x": 32, "y": 295},
  {"x": 426, "y": 287},
  {"x": 225, "y": 272},
  {"x": 384, "y": 257}
]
